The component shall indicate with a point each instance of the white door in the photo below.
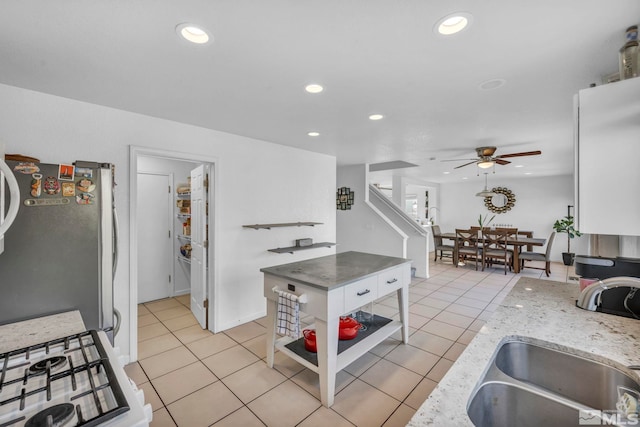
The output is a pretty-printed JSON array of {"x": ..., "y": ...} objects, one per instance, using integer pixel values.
[
  {"x": 199, "y": 243},
  {"x": 154, "y": 240}
]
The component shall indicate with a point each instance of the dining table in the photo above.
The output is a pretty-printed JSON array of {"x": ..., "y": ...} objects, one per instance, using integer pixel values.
[{"x": 517, "y": 243}]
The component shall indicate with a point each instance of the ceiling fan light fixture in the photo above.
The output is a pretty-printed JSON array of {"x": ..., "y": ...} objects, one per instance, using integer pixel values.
[{"x": 485, "y": 164}]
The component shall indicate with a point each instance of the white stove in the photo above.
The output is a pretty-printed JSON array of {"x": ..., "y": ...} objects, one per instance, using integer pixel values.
[{"x": 67, "y": 382}]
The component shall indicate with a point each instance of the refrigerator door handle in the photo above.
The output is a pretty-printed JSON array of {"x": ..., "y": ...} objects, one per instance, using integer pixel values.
[
  {"x": 14, "y": 193},
  {"x": 115, "y": 241}
]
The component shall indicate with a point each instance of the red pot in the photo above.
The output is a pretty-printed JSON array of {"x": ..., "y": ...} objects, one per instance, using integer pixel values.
[
  {"x": 347, "y": 322},
  {"x": 310, "y": 340},
  {"x": 348, "y": 332}
]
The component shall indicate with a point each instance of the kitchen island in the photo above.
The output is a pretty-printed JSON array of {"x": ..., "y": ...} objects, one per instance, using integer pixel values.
[
  {"x": 332, "y": 286},
  {"x": 534, "y": 309}
]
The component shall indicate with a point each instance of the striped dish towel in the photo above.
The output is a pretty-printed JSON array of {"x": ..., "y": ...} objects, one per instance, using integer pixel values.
[{"x": 288, "y": 322}]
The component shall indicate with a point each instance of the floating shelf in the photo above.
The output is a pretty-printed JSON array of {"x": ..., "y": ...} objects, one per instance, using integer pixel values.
[
  {"x": 284, "y": 224},
  {"x": 293, "y": 249},
  {"x": 184, "y": 194},
  {"x": 182, "y": 236},
  {"x": 184, "y": 259}
]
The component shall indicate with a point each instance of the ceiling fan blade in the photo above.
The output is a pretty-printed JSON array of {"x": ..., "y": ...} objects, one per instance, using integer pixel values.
[
  {"x": 466, "y": 164},
  {"x": 502, "y": 162},
  {"x": 524, "y": 153},
  {"x": 457, "y": 160}
]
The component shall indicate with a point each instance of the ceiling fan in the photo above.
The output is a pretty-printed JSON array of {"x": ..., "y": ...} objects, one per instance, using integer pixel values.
[{"x": 486, "y": 159}]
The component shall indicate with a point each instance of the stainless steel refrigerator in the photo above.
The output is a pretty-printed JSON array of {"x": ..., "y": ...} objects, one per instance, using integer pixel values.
[{"x": 60, "y": 251}]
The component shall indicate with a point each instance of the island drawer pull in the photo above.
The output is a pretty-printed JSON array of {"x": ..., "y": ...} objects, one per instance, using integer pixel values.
[
  {"x": 366, "y": 291},
  {"x": 394, "y": 280}
]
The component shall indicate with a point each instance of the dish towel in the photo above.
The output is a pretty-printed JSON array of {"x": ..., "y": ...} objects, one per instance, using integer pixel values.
[{"x": 288, "y": 321}]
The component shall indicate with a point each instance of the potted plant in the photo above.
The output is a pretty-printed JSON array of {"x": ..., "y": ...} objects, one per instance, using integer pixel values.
[
  {"x": 566, "y": 225},
  {"x": 483, "y": 222}
]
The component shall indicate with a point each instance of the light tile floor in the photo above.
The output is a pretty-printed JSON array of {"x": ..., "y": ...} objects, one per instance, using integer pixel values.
[{"x": 193, "y": 377}]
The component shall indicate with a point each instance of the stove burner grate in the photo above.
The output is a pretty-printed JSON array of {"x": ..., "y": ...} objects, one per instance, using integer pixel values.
[
  {"x": 92, "y": 381},
  {"x": 53, "y": 363},
  {"x": 54, "y": 416}
]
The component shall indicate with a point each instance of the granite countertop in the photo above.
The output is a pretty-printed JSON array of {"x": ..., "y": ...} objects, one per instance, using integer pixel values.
[
  {"x": 336, "y": 270},
  {"x": 538, "y": 310},
  {"x": 35, "y": 331}
]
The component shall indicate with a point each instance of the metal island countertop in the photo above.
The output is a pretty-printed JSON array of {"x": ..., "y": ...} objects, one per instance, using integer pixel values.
[{"x": 336, "y": 270}]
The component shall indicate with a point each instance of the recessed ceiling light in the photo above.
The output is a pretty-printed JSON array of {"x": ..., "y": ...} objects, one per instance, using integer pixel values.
[
  {"x": 527, "y": 173},
  {"x": 452, "y": 23},
  {"x": 313, "y": 133},
  {"x": 446, "y": 173},
  {"x": 376, "y": 117},
  {"x": 492, "y": 84},
  {"x": 518, "y": 166},
  {"x": 464, "y": 177},
  {"x": 192, "y": 33},
  {"x": 313, "y": 88}
]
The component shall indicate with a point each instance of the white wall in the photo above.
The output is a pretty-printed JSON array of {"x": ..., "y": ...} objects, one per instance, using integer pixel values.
[
  {"x": 258, "y": 182},
  {"x": 539, "y": 203},
  {"x": 361, "y": 228}
]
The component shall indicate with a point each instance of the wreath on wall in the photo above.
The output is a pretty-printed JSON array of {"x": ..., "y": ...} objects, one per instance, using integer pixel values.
[{"x": 509, "y": 200}]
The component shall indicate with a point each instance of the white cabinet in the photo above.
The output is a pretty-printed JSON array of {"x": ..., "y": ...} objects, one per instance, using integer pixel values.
[{"x": 608, "y": 159}]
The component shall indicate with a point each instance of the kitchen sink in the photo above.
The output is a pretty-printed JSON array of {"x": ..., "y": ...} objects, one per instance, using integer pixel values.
[
  {"x": 501, "y": 404},
  {"x": 532, "y": 382}
]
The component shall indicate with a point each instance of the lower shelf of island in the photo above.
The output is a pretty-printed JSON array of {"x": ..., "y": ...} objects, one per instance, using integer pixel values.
[
  {"x": 293, "y": 249},
  {"x": 379, "y": 329}
]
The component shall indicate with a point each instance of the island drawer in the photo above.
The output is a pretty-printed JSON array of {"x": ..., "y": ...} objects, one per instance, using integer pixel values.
[
  {"x": 360, "y": 293},
  {"x": 391, "y": 279}
]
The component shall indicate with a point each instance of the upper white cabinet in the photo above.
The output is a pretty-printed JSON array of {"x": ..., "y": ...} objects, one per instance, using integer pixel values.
[{"x": 608, "y": 159}]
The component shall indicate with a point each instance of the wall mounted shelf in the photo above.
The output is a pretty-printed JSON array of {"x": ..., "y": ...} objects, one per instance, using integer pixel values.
[
  {"x": 284, "y": 224},
  {"x": 293, "y": 249}
]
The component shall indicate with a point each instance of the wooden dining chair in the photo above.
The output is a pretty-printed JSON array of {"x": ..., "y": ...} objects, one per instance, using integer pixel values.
[
  {"x": 536, "y": 256},
  {"x": 495, "y": 246},
  {"x": 439, "y": 245},
  {"x": 466, "y": 245}
]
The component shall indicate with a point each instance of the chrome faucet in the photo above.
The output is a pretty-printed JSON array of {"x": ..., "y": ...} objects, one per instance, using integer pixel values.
[{"x": 589, "y": 298}]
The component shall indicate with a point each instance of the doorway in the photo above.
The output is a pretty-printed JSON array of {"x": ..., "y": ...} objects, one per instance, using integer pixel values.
[{"x": 145, "y": 162}]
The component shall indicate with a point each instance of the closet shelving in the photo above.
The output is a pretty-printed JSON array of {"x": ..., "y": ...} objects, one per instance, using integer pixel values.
[{"x": 183, "y": 203}]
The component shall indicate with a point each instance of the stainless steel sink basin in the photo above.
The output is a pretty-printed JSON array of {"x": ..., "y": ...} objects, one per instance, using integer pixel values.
[
  {"x": 501, "y": 404},
  {"x": 529, "y": 382},
  {"x": 589, "y": 382}
]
